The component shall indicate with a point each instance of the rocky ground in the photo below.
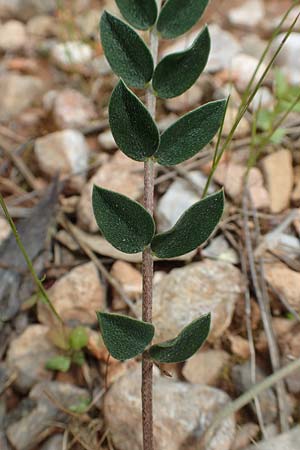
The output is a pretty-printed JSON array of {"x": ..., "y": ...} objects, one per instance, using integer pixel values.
[{"x": 55, "y": 144}]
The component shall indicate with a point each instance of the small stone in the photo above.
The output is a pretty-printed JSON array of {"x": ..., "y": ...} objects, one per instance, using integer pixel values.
[
  {"x": 253, "y": 45},
  {"x": 65, "y": 152},
  {"x": 278, "y": 170},
  {"x": 28, "y": 354},
  {"x": 76, "y": 296},
  {"x": 249, "y": 15},
  {"x": 120, "y": 174},
  {"x": 25, "y": 9},
  {"x": 245, "y": 435},
  {"x": 18, "y": 92},
  {"x": 6, "y": 376},
  {"x": 181, "y": 413},
  {"x": 231, "y": 176},
  {"x": 180, "y": 196},
  {"x": 4, "y": 229},
  {"x": 88, "y": 23},
  {"x": 205, "y": 367},
  {"x": 42, "y": 26},
  {"x": 224, "y": 46},
  {"x": 71, "y": 109},
  {"x": 221, "y": 250},
  {"x": 72, "y": 54},
  {"x": 129, "y": 278},
  {"x": 12, "y": 36},
  {"x": 290, "y": 349},
  {"x": 239, "y": 346},
  {"x": 106, "y": 140},
  {"x": 28, "y": 432},
  {"x": 189, "y": 292},
  {"x": 241, "y": 375},
  {"x": 242, "y": 69},
  {"x": 288, "y": 58},
  {"x": 286, "y": 441},
  {"x": 262, "y": 100}
]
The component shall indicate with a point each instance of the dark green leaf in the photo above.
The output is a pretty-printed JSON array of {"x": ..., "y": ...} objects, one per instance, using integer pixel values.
[
  {"x": 132, "y": 126},
  {"x": 177, "y": 72},
  {"x": 192, "y": 229},
  {"x": 190, "y": 134},
  {"x": 123, "y": 336},
  {"x": 184, "y": 345},
  {"x": 125, "y": 51},
  {"x": 126, "y": 224},
  {"x": 141, "y": 14},
  {"x": 60, "y": 363},
  {"x": 78, "y": 338},
  {"x": 178, "y": 16}
]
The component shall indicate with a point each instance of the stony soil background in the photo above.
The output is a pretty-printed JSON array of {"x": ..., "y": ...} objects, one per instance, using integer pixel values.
[{"x": 54, "y": 145}]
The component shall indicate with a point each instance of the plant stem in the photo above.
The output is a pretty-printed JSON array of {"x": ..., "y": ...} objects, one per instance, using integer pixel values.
[{"x": 147, "y": 365}]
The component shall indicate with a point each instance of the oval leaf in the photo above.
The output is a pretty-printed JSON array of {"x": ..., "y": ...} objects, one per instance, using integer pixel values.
[
  {"x": 132, "y": 126},
  {"x": 190, "y": 134},
  {"x": 78, "y": 338},
  {"x": 60, "y": 363},
  {"x": 179, "y": 16},
  {"x": 141, "y": 14},
  {"x": 185, "y": 345},
  {"x": 177, "y": 72},
  {"x": 125, "y": 51},
  {"x": 123, "y": 222},
  {"x": 192, "y": 229},
  {"x": 123, "y": 336}
]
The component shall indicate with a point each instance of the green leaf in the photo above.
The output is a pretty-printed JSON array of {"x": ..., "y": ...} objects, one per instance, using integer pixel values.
[
  {"x": 78, "y": 358},
  {"x": 60, "y": 363},
  {"x": 192, "y": 229},
  {"x": 190, "y": 134},
  {"x": 132, "y": 126},
  {"x": 177, "y": 72},
  {"x": 81, "y": 406},
  {"x": 123, "y": 336},
  {"x": 125, "y": 51},
  {"x": 141, "y": 14},
  {"x": 178, "y": 16},
  {"x": 126, "y": 224},
  {"x": 78, "y": 338},
  {"x": 185, "y": 345}
]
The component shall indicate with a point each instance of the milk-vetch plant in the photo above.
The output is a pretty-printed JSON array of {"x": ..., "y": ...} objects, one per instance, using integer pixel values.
[{"x": 126, "y": 224}]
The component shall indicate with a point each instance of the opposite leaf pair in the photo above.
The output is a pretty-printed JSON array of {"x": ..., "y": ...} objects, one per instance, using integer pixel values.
[
  {"x": 127, "y": 338},
  {"x": 129, "y": 227},
  {"x": 137, "y": 135},
  {"x": 131, "y": 60}
]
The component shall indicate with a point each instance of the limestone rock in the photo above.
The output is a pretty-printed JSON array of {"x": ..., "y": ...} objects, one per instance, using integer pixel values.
[
  {"x": 288, "y": 59},
  {"x": 189, "y": 292},
  {"x": 71, "y": 54},
  {"x": 243, "y": 127},
  {"x": 24, "y": 9},
  {"x": 106, "y": 140},
  {"x": 279, "y": 175},
  {"x": 12, "y": 36},
  {"x": 120, "y": 174},
  {"x": 71, "y": 109},
  {"x": 242, "y": 69},
  {"x": 18, "y": 92},
  {"x": 64, "y": 151},
  {"x": 205, "y": 367},
  {"x": 248, "y": 15},
  {"x": 181, "y": 414},
  {"x": 28, "y": 354},
  {"x": 129, "y": 278},
  {"x": 76, "y": 296}
]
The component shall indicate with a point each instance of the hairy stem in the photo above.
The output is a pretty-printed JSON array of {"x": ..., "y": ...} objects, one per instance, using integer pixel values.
[{"x": 147, "y": 365}]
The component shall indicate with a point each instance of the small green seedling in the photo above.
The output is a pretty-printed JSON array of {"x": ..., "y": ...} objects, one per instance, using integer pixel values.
[
  {"x": 126, "y": 224},
  {"x": 71, "y": 344}
]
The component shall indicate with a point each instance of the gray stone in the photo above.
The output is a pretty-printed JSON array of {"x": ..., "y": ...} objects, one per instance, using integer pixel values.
[
  {"x": 18, "y": 92},
  {"x": 24, "y": 9},
  {"x": 38, "y": 424},
  {"x": 286, "y": 441},
  {"x": 220, "y": 249},
  {"x": 241, "y": 375},
  {"x": 6, "y": 374},
  {"x": 53, "y": 443},
  {"x": 248, "y": 15},
  {"x": 181, "y": 414},
  {"x": 288, "y": 59},
  {"x": 70, "y": 54},
  {"x": 189, "y": 292},
  {"x": 28, "y": 354},
  {"x": 205, "y": 367}
]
